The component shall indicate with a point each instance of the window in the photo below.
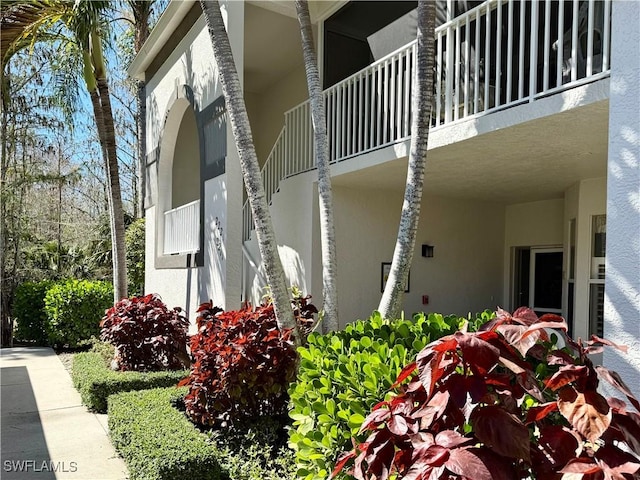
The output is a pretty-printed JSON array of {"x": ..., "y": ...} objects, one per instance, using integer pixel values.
[
  {"x": 571, "y": 287},
  {"x": 596, "y": 279}
]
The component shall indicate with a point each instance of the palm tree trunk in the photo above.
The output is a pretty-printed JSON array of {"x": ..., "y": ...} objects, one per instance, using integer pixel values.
[
  {"x": 115, "y": 195},
  {"x": 241, "y": 129},
  {"x": 141, "y": 132},
  {"x": 391, "y": 302},
  {"x": 325, "y": 196},
  {"x": 95, "y": 78}
]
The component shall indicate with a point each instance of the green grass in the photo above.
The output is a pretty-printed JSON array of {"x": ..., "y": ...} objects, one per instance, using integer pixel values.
[{"x": 96, "y": 381}]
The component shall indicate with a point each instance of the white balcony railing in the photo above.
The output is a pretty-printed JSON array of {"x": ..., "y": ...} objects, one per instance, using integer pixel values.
[
  {"x": 497, "y": 55},
  {"x": 182, "y": 229}
]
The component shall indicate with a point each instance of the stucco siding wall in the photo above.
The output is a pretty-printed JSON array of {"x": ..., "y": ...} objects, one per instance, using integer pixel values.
[
  {"x": 177, "y": 287},
  {"x": 591, "y": 201},
  {"x": 532, "y": 224},
  {"x": 535, "y": 223},
  {"x": 191, "y": 63},
  {"x": 291, "y": 212},
  {"x": 622, "y": 288},
  {"x": 465, "y": 274},
  {"x": 266, "y": 109},
  {"x": 219, "y": 278}
]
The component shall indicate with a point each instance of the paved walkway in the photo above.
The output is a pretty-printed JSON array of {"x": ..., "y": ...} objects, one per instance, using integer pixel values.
[{"x": 47, "y": 433}]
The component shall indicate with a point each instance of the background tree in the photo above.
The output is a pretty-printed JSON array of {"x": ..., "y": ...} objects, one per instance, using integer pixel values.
[
  {"x": 43, "y": 221},
  {"x": 321, "y": 143},
  {"x": 239, "y": 120},
  {"x": 422, "y": 91},
  {"x": 84, "y": 21},
  {"x": 55, "y": 206},
  {"x": 141, "y": 10}
]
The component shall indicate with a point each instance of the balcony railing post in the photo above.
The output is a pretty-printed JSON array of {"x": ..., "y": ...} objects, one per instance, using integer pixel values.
[
  {"x": 547, "y": 45},
  {"x": 509, "y": 51},
  {"x": 560, "y": 43},
  {"x": 521, "y": 52},
  {"x": 574, "y": 42},
  {"x": 498, "y": 81},
  {"x": 606, "y": 35},
  {"x": 533, "y": 60}
]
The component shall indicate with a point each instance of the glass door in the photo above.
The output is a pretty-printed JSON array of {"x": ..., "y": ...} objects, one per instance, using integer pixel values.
[{"x": 545, "y": 280}]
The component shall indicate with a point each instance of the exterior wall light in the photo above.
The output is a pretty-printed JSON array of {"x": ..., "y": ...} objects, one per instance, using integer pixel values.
[{"x": 427, "y": 250}]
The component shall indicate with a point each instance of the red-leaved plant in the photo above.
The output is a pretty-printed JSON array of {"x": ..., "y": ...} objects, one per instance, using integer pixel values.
[
  {"x": 147, "y": 336},
  {"x": 504, "y": 403},
  {"x": 242, "y": 363}
]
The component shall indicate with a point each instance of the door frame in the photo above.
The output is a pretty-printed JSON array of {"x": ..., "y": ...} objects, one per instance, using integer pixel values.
[{"x": 516, "y": 278}]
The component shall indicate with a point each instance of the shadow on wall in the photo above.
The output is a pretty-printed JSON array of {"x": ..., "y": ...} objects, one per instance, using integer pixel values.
[
  {"x": 212, "y": 285},
  {"x": 203, "y": 83},
  {"x": 622, "y": 294},
  {"x": 294, "y": 272}
]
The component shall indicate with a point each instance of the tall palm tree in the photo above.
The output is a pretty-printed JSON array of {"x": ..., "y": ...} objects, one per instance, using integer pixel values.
[
  {"x": 391, "y": 302},
  {"x": 241, "y": 129},
  {"x": 31, "y": 22},
  {"x": 325, "y": 196}
]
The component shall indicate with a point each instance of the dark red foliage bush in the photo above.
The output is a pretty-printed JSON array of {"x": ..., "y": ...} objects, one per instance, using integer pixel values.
[
  {"x": 504, "y": 403},
  {"x": 242, "y": 363},
  {"x": 147, "y": 335}
]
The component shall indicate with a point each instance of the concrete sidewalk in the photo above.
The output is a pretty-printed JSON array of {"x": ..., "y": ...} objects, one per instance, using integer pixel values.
[{"x": 46, "y": 432}]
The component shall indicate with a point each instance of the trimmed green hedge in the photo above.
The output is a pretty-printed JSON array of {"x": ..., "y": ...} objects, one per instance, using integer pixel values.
[
  {"x": 28, "y": 310},
  {"x": 158, "y": 442},
  {"x": 74, "y": 309},
  {"x": 96, "y": 381}
]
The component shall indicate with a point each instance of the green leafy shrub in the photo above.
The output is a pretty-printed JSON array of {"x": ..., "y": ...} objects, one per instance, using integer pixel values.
[
  {"x": 343, "y": 374},
  {"x": 74, "y": 309},
  {"x": 255, "y": 450},
  {"x": 507, "y": 402},
  {"x": 134, "y": 241},
  {"x": 157, "y": 441},
  {"x": 162, "y": 444},
  {"x": 28, "y": 310},
  {"x": 95, "y": 381},
  {"x": 147, "y": 336},
  {"x": 242, "y": 363},
  {"x": 104, "y": 349}
]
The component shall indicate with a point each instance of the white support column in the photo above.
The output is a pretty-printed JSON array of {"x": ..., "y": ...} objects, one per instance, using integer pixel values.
[{"x": 622, "y": 287}]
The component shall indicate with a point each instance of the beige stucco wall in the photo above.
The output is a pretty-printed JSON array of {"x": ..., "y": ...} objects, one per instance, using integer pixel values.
[
  {"x": 622, "y": 289},
  {"x": 177, "y": 287},
  {"x": 532, "y": 224},
  {"x": 465, "y": 274},
  {"x": 266, "y": 109},
  {"x": 192, "y": 64},
  {"x": 185, "y": 181},
  {"x": 293, "y": 221},
  {"x": 584, "y": 200}
]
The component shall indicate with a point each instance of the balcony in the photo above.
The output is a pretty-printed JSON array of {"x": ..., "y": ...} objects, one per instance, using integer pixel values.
[
  {"x": 497, "y": 55},
  {"x": 182, "y": 229}
]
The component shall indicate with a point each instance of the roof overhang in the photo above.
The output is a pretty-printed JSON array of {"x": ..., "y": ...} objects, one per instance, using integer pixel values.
[
  {"x": 318, "y": 9},
  {"x": 173, "y": 15},
  {"x": 177, "y": 10}
]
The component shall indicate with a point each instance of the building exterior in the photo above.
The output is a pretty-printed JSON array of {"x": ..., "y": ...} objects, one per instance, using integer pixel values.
[{"x": 534, "y": 158}]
